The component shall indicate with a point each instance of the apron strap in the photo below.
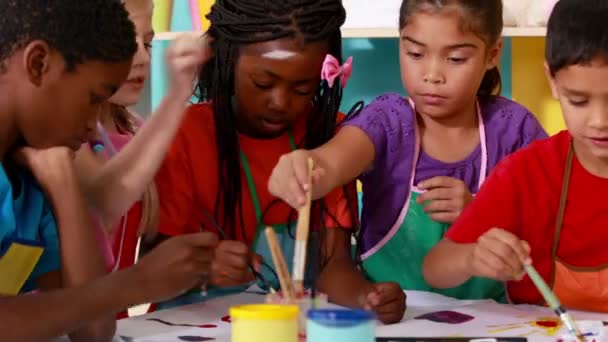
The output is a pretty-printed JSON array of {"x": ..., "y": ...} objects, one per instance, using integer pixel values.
[
  {"x": 562, "y": 207},
  {"x": 481, "y": 126},
  {"x": 250, "y": 183}
]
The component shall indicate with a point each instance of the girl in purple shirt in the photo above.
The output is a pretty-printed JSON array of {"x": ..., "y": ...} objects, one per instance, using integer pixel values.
[{"x": 422, "y": 158}]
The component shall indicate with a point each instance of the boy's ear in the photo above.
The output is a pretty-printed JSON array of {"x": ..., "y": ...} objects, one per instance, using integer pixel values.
[
  {"x": 551, "y": 80},
  {"x": 494, "y": 54},
  {"x": 36, "y": 61}
]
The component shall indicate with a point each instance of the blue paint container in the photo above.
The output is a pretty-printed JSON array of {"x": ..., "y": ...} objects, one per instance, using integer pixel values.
[{"x": 331, "y": 325}]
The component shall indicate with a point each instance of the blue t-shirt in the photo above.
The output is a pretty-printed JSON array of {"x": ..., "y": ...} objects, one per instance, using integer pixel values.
[{"x": 28, "y": 217}]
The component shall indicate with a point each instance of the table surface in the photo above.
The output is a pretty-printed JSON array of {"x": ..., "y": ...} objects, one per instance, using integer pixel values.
[
  {"x": 486, "y": 319},
  {"x": 207, "y": 321}
]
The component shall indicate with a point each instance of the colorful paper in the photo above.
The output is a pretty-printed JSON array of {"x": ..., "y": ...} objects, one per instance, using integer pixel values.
[
  {"x": 181, "y": 21},
  {"x": 195, "y": 15},
  {"x": 161, "y": 18},
  {"x": 204, "y": 8}
]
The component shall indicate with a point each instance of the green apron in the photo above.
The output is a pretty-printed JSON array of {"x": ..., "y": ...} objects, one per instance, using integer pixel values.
[
  {"x": 286, "y": 236},
  {"x": 399, "y": 256}
]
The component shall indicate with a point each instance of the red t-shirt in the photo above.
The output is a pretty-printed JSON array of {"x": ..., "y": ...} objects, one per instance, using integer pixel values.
[
  {"x": 187, "y": 181},
  {"x": 522, "y": 196}
]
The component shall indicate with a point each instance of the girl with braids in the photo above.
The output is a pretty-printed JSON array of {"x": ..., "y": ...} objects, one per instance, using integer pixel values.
[
  {"x": 262, "y": 96},
  {"x": 421, "y": 158}
]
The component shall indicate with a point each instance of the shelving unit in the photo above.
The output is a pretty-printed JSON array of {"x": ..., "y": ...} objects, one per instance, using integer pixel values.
[{"x": 394, "y": 33}]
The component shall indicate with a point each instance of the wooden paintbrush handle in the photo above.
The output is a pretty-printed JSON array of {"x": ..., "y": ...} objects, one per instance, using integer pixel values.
[
  {"x": 280, "y": 264},
  {"x": 302, "y": 231}
]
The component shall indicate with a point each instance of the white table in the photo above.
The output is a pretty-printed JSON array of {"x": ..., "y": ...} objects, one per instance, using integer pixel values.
[{"x": 491, "y": 319}]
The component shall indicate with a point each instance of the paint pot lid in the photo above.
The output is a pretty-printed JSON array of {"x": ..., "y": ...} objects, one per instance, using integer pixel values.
[
  {"x": 265, "y": 312},
  {"x": 340, "y": 317}
]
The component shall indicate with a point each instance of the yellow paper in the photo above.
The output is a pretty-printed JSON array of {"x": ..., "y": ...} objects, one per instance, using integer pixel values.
[
  {"x": 16, "y": 265},
  {"x": 205, "y": 7},
  {"x": 161, "y": 19}
]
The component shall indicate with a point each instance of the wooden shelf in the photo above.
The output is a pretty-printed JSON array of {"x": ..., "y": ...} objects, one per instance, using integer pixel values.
[
  {"x": 524, "y": 31},
  {"x": 394, "y": 33}
]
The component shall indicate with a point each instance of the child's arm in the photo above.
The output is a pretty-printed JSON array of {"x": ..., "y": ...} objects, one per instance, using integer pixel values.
[
  {"x": 348, "y": 154},
  {"x": 81, "y": 261},
  {"x": 472, "y": 247},
  {"x": 339, "y": 277},
  {"x": 121, "y": 181},
  {"x": 498, "y": 255},
  {"x": 171, "y": 269},
  {"x": 345, "y": 285},
  {"x": 80, "y": 258}
]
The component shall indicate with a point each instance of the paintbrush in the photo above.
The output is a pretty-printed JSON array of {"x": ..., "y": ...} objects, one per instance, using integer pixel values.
[
  {"x": 302, "y": 230},
  {"x": 280, "y": 264},
  {"x": 553, "y": 302}
]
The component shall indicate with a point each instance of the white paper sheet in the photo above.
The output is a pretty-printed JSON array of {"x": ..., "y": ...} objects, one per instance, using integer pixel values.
[{"x": 490, "y": 319}]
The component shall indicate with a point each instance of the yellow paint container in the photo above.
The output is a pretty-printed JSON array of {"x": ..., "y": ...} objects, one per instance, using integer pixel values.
[{"x": 264, "y": 323}]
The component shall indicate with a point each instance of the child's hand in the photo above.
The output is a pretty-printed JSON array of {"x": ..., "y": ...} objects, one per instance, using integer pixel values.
[
  {"x": 231, "y": 264},
  {"x": 185, "y": 57},
  {"x": 289, "y": 178},
  {"x": 499, "y": 255},
  {"x": 176, "y": 265},
  {"x": 51, "y": 167},
  {"x": 447, "y": 196},
  {"x": 387, "y": 300}
]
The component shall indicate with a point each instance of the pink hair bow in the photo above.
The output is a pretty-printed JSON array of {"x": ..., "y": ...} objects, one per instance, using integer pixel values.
[{"x": 332, "y": 70}]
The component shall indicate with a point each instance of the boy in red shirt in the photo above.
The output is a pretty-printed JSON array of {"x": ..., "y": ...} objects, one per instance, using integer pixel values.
[{"x": 544, "y": 204}]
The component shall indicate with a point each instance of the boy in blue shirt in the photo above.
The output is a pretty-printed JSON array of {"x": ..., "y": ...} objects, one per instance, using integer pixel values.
[{"x": 59, "y": 61}]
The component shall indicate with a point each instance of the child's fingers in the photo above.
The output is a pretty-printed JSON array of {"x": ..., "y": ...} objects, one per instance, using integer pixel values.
[
  {"x": 317, "y": 174},
  {"x": 439, "y": 205},
  {"x": 440, "y": 193},
  {"x": 257, "y": 261},
  {"x": 444, "y": 217},
  {"x": 186, "y": 65},
  {"x": 499, "y": 257},
  {"x": 234, "y": 247},
  {"x": 299, "y": 163},
  {"x": 528, "y": 250},
  {"x": 514, "y": 243},
  {"x": 284, "y": 185},
  {"x": 437, "y": 182},
  {"x": 391, "y": 305},
  {"x": 491, "y": 266},
  {"x": 223, "y": 276},
  {"x": 203, "y": 240},
  {"x": 388, "y": 308},
  {"x": 297, "y": 196},
  {"x": 373, "y": 299}
]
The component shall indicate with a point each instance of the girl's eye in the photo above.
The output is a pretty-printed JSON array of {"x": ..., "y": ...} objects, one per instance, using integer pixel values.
[
  {"x": 457, "y": 60},
  {"x": 302, "y": 92},
  {"x": 263, "y": 86},
  {"x": 578, "y": 102},
  {"x": 414, "y": 55}
]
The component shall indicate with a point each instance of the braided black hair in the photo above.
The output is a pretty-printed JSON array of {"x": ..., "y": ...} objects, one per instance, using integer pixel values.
[
  {"x": 238, "y": 22},
  {"x": 80, "y": 30}
]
